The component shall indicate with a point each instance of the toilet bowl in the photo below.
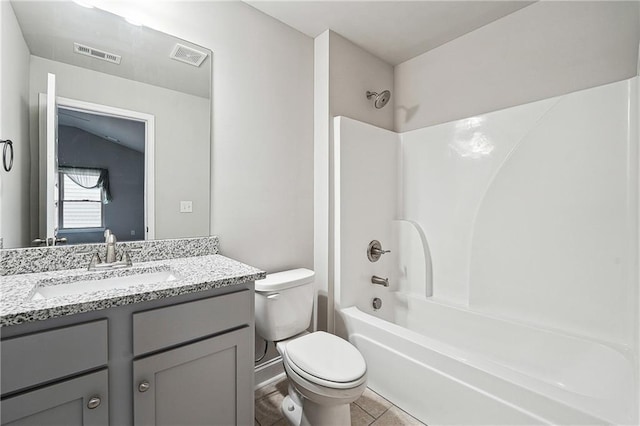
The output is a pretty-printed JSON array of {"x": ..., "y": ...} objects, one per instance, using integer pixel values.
[{"x": 326, "y": 373}]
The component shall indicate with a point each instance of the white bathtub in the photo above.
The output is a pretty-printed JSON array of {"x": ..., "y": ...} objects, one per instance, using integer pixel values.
[{"x": 446, "y": 365}]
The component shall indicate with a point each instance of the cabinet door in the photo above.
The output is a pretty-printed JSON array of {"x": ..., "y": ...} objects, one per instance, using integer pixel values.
[
  {"x": 69, "y": 403},
  {"x": 209, "y": 382}
]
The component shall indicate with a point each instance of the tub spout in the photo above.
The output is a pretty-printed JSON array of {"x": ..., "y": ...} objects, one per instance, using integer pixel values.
[{"x": 380, "y": 281}]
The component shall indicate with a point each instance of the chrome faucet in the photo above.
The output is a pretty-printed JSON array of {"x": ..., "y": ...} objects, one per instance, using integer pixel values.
[
  {"x": 110, "y": 261},
  {"x": 380, "y": 281},
  {"x": 110, "y": 241}
]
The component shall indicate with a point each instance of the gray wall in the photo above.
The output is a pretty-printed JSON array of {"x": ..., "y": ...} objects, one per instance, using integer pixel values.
[
  {"x": 262, "y": 145},
  {"x": 262, "y": 164},
  {"x": 182, "y": 141},
  {"x": 544, "y": 50},
  {"x": 343, "y": 74},
  {"x": 125, "y": 213},
  {"x": 14, "y": 110}
]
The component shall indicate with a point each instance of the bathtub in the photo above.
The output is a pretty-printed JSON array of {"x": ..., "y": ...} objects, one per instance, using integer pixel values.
[{"x": 449, "y": 365}]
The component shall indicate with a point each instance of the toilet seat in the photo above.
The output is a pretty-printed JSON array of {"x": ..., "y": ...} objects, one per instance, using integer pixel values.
[{"x": 326, "y": 360}]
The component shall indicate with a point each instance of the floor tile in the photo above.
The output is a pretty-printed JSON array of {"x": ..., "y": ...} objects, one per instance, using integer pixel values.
[
  {"x": 396, "y": 417},
  {"x": 268, "y": 409},
  {"x": 359, "y": 417},
  {"x": 373, "y": 403}
]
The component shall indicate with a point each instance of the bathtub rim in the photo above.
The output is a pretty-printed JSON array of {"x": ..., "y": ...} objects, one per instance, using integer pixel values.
[{"x": 605, "y": 412}]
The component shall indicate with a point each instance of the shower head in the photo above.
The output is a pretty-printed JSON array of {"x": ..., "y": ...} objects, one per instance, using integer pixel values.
[{"x": 379, "y": 99}]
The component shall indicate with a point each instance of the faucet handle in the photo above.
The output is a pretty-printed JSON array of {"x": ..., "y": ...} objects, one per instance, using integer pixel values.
[
  {"x": 126, "y": 258},
  {"x": 95, "y": 261}
]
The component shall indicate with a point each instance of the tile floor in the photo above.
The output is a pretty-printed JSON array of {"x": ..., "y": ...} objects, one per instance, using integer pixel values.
[{"x": 369, "y": 409}]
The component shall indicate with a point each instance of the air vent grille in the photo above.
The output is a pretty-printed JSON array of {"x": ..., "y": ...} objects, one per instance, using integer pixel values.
[
  {"x": 96, "y": 53},
  {"x": 188, "y": 55}
]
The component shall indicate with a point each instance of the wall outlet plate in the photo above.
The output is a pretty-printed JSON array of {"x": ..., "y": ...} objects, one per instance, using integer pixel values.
[{"x": 186, "y": 206}]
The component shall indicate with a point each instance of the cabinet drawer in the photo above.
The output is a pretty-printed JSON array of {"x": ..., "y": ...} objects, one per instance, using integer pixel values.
[
  {"x": 164, "y": 327},
  {"x": 63, "y": 403},
  {"x": 53, "y": 354}
]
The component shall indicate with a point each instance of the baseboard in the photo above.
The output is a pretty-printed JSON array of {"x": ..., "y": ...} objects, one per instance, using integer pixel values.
[{"x": 268, "y": 372}]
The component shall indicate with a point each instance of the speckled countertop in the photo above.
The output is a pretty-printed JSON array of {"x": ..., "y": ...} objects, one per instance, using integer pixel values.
[{"x": 193, "y": 274}]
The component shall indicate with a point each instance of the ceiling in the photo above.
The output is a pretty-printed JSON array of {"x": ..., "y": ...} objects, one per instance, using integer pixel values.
[
  {"x": 128, "y": 133},
  {"x": 51, "y": 27},
  {"x": 394, "y": 31}
]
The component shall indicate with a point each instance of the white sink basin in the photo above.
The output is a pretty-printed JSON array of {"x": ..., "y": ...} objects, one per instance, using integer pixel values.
[{"x": 87, "y": 286}]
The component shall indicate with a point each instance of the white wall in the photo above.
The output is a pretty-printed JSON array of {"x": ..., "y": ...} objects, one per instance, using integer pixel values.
[
  {"x": 182, "y": 149},
  {"x": 262, "y": 157},
  {"x": 14, "y": 125},
  {"x": 344, "y": 72},
  {"x": 543, "y": 50}
]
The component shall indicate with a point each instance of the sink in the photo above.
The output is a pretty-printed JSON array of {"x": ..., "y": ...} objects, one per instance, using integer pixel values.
[{"x": 47, "y": 291}]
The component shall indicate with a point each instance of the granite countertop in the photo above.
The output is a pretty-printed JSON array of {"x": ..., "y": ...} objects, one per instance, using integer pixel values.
[{"x": 193, "y": 274}]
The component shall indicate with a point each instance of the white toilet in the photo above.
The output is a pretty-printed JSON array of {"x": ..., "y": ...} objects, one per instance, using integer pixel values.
[{"x": 326, "y": 373}]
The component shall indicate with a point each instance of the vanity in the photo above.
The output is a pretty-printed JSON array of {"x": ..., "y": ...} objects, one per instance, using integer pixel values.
[{"x": 132, "y": 352}]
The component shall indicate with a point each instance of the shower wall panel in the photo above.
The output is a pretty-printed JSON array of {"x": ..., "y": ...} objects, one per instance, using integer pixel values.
[{"x": 531, "y": 212}]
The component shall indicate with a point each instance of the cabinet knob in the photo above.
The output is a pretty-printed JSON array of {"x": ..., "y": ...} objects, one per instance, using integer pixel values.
[
  {"x": 144, "y": 386},
  {"x": 94, "y": 402}
]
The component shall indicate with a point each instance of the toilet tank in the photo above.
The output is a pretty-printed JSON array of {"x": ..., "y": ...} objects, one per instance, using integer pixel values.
[{"x": 284, "y": 303}]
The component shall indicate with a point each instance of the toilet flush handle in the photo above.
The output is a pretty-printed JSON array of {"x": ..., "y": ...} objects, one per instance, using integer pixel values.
[{"x": 273, "y": 296}]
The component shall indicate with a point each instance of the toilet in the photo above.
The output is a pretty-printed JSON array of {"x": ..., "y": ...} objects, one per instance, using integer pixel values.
[{"x": 326, "y": 373}]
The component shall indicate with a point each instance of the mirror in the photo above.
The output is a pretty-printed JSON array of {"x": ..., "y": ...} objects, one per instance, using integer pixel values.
[{"x": 104, "y": 65}]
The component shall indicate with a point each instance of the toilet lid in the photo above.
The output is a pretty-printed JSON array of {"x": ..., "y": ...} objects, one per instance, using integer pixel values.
[{"x": 327, "y": 357}]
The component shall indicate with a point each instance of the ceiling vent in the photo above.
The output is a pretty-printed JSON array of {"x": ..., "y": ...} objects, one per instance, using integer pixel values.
[
  {"x": 96, "y": 53},
  {"x": 188, "y": 55}
]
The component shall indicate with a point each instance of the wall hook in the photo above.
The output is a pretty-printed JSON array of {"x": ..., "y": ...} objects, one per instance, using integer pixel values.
[{"x": 8, "y": 145}]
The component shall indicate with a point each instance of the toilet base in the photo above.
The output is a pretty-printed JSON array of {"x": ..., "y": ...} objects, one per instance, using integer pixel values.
[
  {"x": 313, "y": 414},
  {"x": 291, "y": 411}
]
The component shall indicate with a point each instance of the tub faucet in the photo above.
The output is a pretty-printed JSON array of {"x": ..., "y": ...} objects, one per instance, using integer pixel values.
[{"x": 380, "y": 281}]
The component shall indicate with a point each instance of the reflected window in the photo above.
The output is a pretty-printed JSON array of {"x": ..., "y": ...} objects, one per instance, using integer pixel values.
[{"x": 80, "y": 207}]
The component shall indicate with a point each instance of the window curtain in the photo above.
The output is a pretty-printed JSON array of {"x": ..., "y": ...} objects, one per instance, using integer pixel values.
[{"x": 90, "y": 178}]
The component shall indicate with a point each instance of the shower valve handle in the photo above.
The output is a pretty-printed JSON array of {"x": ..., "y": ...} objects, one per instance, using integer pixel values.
[
  {"x": 374, "y": 251},
  {"x": 378, "y": 251}
]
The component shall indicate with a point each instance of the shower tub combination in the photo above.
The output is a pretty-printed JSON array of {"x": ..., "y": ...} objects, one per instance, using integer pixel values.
[{"x": 512, "y": 345}]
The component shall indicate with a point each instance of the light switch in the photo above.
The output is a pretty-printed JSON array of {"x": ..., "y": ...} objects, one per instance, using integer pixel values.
[{"x": 186, "y": 206}]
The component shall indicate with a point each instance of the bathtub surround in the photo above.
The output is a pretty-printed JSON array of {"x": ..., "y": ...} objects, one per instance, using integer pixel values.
[
  {"x": 58, "y": 258},
  {"x": 530, "y": 225}
]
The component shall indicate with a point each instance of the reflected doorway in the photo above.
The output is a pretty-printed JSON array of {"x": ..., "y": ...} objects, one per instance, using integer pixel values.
[{"x": 103, "y": 174}]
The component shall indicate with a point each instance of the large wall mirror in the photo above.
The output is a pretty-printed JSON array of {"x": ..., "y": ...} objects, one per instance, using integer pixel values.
[{"x": 127, "y": 144}]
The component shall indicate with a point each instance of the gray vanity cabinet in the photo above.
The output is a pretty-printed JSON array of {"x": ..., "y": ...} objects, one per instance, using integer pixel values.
[
  {"x": 56, "y": 377},
  {"x": 81, "y": 401},
  {"x": 184, "y": 360},
  {"x": 199, "y": 369},
  {"x": 196, "y": 384}
]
